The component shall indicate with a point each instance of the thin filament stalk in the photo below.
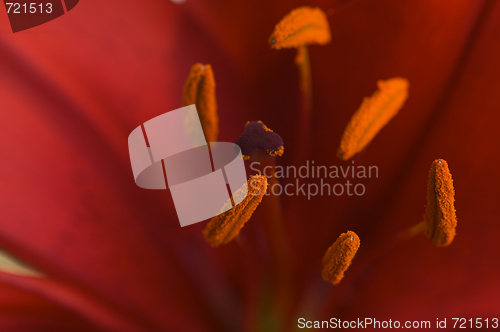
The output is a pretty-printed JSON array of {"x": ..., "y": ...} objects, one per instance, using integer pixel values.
[{"x": 303, "y": 63}]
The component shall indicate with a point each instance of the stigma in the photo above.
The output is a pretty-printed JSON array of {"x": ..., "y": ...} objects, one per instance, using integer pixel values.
[{"x": 257, "y": 135}]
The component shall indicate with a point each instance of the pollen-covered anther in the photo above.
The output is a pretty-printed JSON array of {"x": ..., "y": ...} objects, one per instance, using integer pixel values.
[
  {"x": 200, "y": 90},
  {"x": 373, "y": 114},
  {"x": 257, "y": 135},
  {"x": 302, "y": 26},
  {"x": 440, "y": 216},
  {"x": 339, "y": 256},
  {"x": 227, "y": 225}
]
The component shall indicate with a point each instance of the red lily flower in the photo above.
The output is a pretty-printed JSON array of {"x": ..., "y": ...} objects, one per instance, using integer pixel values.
[{"x": 114, "y": 256}]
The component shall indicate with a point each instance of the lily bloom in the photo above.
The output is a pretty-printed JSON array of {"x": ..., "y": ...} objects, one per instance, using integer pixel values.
[{"x": 113, "y": 257}]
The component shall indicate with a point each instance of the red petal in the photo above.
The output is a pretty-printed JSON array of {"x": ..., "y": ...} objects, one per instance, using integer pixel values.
[
  {"x": 69, "y": 203},
  {"x": 24, "y": 311}
]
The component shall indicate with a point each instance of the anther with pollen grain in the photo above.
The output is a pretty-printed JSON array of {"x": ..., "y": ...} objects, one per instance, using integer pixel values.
[
  {"x": 339, "y": 256},
  {"x": 227, "y": 225},
  {"x": 440, "y": 216},
  {"x": 373, "y": 114},
  {"x": 199, "y": 89}
]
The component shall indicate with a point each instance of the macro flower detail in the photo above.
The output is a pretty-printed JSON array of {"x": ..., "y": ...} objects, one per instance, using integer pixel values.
[
  {"x": 373, "y": 114},
  {"x": 304, "y": 25},
  {"x": 199, "y": 89},
  {"x": 257, "y": 135},
  {"x": 113, "y": 255},
  {"x": 339, "y": 257},
  {"x": 440, "y": 216},
  {"x": 226, "y": 226}
]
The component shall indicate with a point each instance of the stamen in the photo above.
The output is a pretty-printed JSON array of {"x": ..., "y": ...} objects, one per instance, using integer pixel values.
[
  {"x": 373, "y": 114},
  {"x": 304, "y": 25},
  {"x": 339, "y": 256},
  {"x": 301, "y": 27},
  {"x": 440, "y": 217},
  {"x": 200, "y": 90},
  {"x": 257, "y": 135},
  {"x": 226, "y": 226}
]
